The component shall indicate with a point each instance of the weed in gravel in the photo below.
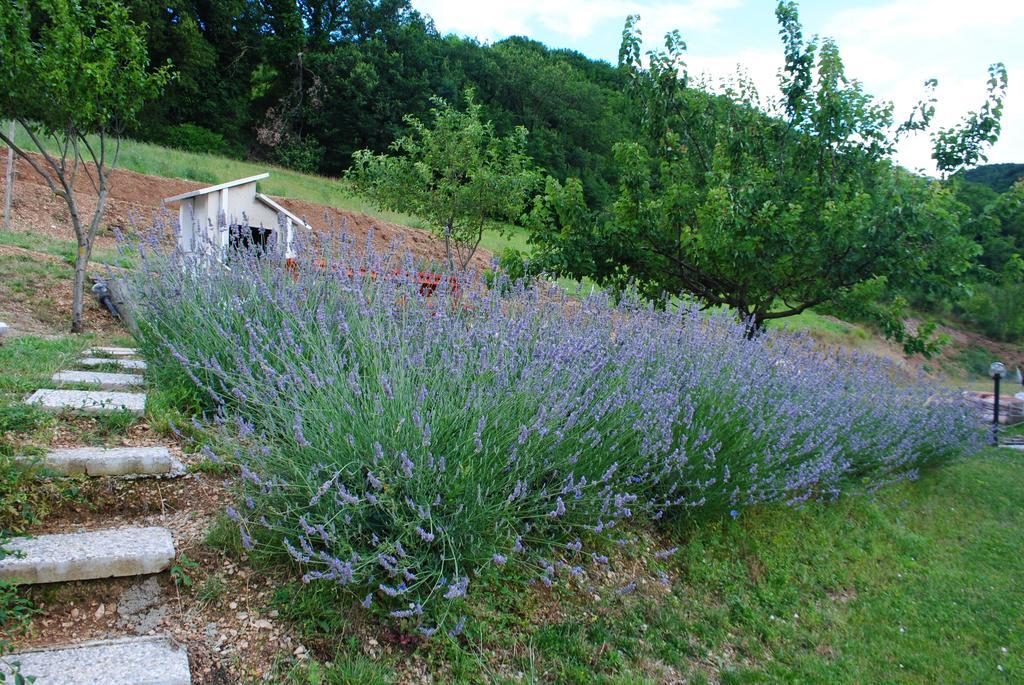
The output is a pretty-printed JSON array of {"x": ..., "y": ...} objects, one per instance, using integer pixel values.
[
  {"x": 182, "y": 570},
  {"x": 224, "y": 536},
  {"x": 341, "y": 671},
  {"x": 211, "y": 590}
]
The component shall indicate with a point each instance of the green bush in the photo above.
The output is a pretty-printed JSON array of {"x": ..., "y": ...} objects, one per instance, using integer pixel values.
[
  {"x": 300, "y": 154},
  {"x": 975, "y": 360},
  {"x": 193, "y": 138},
  {"x": 26, "y": 500},
  {"x": 398, "y": 446},
  {"x": 512, "y": 265},
  {"x": 997, "y": 310}
]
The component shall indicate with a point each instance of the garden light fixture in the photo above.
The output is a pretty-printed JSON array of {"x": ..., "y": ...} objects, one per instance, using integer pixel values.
[{"x": 997, "y": 370}]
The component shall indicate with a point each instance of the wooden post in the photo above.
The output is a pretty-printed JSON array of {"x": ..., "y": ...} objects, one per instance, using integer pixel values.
[{"x": 9, "y": 190}]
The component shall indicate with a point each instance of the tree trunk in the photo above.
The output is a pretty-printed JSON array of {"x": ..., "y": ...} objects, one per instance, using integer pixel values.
[
  {"x": 755, "y": 325},
  {"x": 9, "y": 188},
  {"x": 78, "y": 289},
  {"x": 448, "y": 245},
  {"x": 85, "y": 237}
]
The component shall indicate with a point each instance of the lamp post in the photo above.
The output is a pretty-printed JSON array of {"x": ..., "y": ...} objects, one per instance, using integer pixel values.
[{"x": 997, "y": 371}]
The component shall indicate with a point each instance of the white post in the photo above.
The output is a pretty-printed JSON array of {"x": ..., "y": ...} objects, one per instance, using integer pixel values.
[
  {"x": 225, "y": 233},
  {"x": 9, "y": 191},
  {"x": 288, "y": 236}
]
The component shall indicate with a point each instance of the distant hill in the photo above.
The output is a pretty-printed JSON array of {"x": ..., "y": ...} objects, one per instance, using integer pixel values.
[{"x": 998, "y": 177}]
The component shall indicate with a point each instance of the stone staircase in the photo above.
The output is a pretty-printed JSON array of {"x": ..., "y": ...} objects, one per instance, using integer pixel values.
[
  {"x": 99, "y": 380},
  {"x": 94, "y": 402},
  {"x": 92, "y": 555},
  {"x": 109, "y": 397},
  {"x": 127, "y": 462},
  {"x": 128, "y": 661},
  {"x": 103, "y": 553},
  {"x": 127, "y": 364}
]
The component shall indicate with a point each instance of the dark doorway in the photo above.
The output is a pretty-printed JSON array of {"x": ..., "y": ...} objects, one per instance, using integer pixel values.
[{"x": 249, "y": 238}]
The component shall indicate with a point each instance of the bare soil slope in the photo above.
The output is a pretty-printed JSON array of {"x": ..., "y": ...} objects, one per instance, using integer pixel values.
[{"x": 135, "y": 203}]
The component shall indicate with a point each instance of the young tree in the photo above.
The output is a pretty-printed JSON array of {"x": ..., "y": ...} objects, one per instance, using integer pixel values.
[
  {"x": 455, "y": 172},
  {"x": 767, "y": 207},
  {"x": 74, "y": 74}
]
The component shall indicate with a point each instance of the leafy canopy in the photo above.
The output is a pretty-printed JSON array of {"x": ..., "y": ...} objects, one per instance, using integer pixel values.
[
  {"x": 767, "y": 206},
  {"x": 73, "y": 67},
  {"x": 455, "y": 172},
  {"x": 71, "y": 70}
]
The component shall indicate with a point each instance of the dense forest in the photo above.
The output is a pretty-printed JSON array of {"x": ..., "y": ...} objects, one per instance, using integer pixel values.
[
  {"x": 306, "y": 83},
  {"x": 998, "y": 177}
]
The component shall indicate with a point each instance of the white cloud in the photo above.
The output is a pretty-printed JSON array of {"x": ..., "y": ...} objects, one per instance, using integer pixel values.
[
  {"x": 893, "y": 48},
  {"x": 900, "y": 21},
  {"x": 574, "y": 19}
]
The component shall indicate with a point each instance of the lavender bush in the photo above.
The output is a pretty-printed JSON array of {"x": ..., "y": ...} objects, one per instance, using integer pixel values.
[{"x": 398, "y": 445}]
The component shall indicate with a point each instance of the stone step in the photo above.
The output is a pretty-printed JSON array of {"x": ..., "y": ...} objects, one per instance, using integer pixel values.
[
  {"x": 127, "y": 364},
  {"x": 111, "y": 352},
  {"x": 87, "y": 556},
  {"x": 118, "y": 461},
  {"x": 127, "y": 661},
  {"x": 103, "y": 381},
  {"x": 89, "y": 401}
]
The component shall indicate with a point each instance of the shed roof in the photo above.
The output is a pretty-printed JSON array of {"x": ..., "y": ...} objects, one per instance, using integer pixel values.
[
  {"x": 213, "y": 189},
  {"x": 276, "y": 206}
]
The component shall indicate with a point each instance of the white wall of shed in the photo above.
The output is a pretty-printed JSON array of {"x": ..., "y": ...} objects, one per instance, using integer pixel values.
[{"x": 205, "y": 220}]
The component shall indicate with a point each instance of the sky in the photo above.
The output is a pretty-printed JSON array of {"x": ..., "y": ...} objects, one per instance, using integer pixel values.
[{"x": 891, "y": 46}]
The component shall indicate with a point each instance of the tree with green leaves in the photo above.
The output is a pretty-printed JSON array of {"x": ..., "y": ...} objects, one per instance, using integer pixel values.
[
  {"x": 768, "y": 206},
  {"x": 74, "y": 74},
  {"x": 454, "y": 172}
]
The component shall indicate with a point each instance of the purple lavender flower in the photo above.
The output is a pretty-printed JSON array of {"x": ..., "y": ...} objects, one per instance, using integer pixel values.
[
  {"x": 559, "y": 509},
  {"x": 458, "y": 628},
  {"x": 457, "y": 588}
]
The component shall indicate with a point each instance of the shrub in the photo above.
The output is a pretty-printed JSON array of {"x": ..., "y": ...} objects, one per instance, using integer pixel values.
[
  {"x": 997, "y": 310},
  {"x": 399, "y": 445},
  {"x": 299, "y": 154},
  {"x": 194, "y": 138},
  {"x": 509, "y": 269}
]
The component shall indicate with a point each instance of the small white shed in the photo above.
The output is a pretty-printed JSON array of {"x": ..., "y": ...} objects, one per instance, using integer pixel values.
[{"x": 233, "y": 214}]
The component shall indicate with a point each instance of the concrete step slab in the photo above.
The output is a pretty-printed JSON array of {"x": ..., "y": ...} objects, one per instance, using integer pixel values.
[
  {"x": 126, "y": 661},
  {"x": 89, "y": 401},
  {"x": 117, "y": 461},
  {"x": 102, "y": 381},
  {"x": 87, "y": 556},
  {"x": 127, "y": 364},
  {"x": 111, "y": 352}
]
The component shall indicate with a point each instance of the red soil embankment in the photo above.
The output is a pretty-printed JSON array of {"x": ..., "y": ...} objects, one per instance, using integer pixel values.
[{"x": 135, "y": 203}]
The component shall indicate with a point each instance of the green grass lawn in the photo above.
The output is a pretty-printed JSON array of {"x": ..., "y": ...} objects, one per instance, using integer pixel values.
[
  {"x": 65, "y": 249},
  {"x": 920, "y": 583}
]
